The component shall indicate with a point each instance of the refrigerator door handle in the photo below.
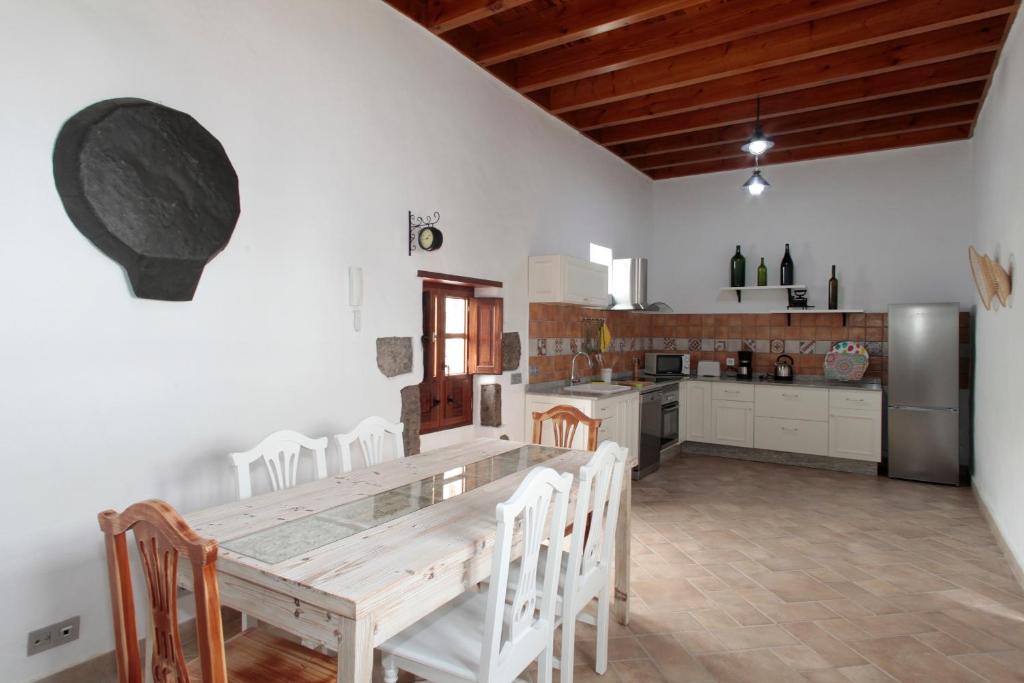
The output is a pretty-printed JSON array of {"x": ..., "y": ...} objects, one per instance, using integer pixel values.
[{"x": 925, "y": 410}]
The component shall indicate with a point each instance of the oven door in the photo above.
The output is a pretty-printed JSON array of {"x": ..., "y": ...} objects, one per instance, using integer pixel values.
[{"x": 669, "y": 423}]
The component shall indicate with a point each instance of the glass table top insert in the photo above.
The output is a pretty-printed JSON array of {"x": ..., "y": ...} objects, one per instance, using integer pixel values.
[{"x": 295, "y": 537}]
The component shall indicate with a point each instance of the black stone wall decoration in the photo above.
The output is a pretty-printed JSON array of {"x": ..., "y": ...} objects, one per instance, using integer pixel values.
[
  {"x": 151, "y": 188},
  {"x": 411, "y": 419},
  {"x": 511, "y": 351}
]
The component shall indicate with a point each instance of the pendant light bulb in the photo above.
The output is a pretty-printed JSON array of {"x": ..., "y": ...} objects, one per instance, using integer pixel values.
[
  {"x": 756, "y": 184},
  {"x": 759, "y": 143}
]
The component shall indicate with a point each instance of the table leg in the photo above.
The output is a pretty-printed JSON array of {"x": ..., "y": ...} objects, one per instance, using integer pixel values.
[
  {"x": 355, "y": 651},
  {"x": 620, "y": 607}
]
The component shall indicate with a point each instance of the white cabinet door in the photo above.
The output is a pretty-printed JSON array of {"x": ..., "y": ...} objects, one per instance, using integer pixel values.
[
  {"x": 732, "y": 423},
  {"x": 698, "y": 411},
  {"x": 585, "y": 283},
  {"x": 568, "y": 280},
  {"x": 627, "y": 416},
  {"x": 855, "y": 434}
]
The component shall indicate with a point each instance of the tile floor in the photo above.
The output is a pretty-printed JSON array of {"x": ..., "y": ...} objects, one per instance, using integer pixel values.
[{"x": 758, "y": 573}]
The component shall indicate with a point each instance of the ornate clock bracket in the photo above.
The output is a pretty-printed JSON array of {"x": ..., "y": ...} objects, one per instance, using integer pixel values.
[{"x": 416, "y": 224}]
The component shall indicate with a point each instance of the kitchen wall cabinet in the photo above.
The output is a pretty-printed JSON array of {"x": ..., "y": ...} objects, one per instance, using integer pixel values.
[
  {"x": 698, "y": 411},
  {"x": 620, "y": 415},
  {"x": 567, "y": 280},
  {"x": 732, "y": 423}
]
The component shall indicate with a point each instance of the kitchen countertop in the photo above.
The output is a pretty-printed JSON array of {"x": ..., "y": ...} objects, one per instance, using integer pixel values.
[{"x": 561, "y": 388}]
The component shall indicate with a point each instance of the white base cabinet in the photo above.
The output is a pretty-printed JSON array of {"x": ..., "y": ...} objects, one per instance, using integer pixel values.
[
  {"x": 567, "y": 280},
  {"x": 841, "y": 423},
  {"x": 620, "y": 418}
]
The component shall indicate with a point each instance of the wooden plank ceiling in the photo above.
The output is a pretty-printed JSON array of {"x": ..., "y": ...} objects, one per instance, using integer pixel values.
[{"x": 671, "y": 85}]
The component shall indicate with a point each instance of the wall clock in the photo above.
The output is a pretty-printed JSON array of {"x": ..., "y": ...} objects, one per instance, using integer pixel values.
[{"x": 424, "y": 233}]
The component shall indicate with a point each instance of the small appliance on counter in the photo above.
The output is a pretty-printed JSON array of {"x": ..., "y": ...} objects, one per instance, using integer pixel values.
[
  {"x": 745, "y": 369},
  {"x": 709, "y": 368},
  {"x": 783, "y": 369},
  {"x": 666, "y": 363}
]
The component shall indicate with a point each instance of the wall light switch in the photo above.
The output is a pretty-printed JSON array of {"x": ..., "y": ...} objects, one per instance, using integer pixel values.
[{"x": 517, "y": 378}]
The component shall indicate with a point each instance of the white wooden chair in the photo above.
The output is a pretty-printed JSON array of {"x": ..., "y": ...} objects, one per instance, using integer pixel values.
[
  {"x": 477, "y": 637},
  {"x": 371, "y": 434},
  {"x": 280, "y": 454},
  {"x": 586, "y": 571}
]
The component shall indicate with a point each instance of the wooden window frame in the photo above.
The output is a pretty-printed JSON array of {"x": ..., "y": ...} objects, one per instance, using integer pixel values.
[{"x": 442, "y": 388}]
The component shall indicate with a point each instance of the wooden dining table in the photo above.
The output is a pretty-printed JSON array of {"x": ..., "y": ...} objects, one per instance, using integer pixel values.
[{"x": 351, "y": 560}]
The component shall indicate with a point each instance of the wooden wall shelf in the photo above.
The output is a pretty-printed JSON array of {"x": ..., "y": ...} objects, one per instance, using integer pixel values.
[{"x": 806, "y": 311}]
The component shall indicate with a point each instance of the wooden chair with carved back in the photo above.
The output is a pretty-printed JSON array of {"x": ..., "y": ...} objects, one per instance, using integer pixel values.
[
  {"x": 163, "y": 537},
  {"x": 564, "y": 422}
]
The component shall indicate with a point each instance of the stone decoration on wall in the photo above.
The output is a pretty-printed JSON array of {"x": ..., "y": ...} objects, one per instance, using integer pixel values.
[
  {"x": 150, "y": 188},
  {"x": 394, "y": 355},
  {"x": 511, "y": 351},
  {"x": 490, "y": 405},
  {"x": 411, "y": 419}
]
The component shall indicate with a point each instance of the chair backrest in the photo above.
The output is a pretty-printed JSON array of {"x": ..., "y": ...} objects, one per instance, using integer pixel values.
[
  {"x": 564, "y": 421},
  {"x": 162, "y": 536},
  {"x": 597, "y": 512},
  {"x": 280, "y": 452},
  {"x": 514, "y": 634},
  {"x": 371, "y": 434}
]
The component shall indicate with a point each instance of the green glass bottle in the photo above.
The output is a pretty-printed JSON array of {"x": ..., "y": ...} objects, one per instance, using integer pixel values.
[
  {"x": 738, "y": 268},
  {"x": 762, "y": 274}
]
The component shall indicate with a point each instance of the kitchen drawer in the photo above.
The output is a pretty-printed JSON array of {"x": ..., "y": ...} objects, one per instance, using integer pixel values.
[
  {"x": 732, "y": 392},
  {"x": 609, "y": 430},
  {"x": 847, "y": 399},
  {"x": 604, "y": 409},
  {"x": 796, "y": 436},
  {"x": 792, "y": 403}
]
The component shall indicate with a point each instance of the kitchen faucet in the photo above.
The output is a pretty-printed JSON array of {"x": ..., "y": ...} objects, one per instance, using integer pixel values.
[{"x": 573, "y": 377}]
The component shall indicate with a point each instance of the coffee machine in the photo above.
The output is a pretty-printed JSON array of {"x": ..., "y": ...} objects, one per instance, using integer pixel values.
[{"x": 745, "y": 369}]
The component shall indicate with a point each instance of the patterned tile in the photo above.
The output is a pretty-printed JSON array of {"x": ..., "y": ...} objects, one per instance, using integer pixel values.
[
  {"x": 707, "y": 344},
  {"x": 807, "y": 346},
  {"x": 719, "y": 345},
  {"x": 695, "y": 344},
  {"x": 777, "y": 346}
]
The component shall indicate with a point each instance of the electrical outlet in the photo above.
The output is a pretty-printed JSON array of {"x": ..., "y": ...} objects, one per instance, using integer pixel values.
[
  {"x": 53, "y": 635},
  {"x": 730, "y": 361},
  {"x": 517, "y": 378}
]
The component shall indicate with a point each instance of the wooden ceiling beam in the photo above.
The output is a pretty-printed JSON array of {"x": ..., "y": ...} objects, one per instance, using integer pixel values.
[
  {"x": 441, "y": 16},
  {"x": 911, "y": 139},
  {"x": 938, "y": 98},
  {"x": 905, "y": 80},
  {"x": 686, "y": 31},
  {"x": 887, "y": 106},
  {"x": 868, "y": 26},
  {"x": 939, "y": 118},
  {"x": 559, "y": 24}
]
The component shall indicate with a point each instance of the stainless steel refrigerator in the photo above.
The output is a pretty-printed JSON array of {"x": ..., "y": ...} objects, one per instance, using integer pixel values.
[{"x": 924, "y": 391}]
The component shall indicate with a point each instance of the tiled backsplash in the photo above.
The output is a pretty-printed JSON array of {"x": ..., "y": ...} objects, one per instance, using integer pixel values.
[{"x": 556, "y": 334}]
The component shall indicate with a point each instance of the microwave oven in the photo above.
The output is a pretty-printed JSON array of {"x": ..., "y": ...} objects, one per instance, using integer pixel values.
[{"x": 666, "y": 363}]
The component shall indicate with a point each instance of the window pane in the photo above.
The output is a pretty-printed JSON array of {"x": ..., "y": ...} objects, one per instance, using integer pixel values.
[
  {"x": 455, "y": 356},
  {"x": 454, "y": 315}
]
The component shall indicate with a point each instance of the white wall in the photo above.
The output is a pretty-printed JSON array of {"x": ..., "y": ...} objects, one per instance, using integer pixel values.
[
  {"x": 339, "y": 117},
  {"x": 999, "y": 366},
  {"x": 897, "y": 225}
]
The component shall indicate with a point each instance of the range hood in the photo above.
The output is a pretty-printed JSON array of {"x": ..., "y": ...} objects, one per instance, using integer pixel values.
[{"x": 629, "y": 284}]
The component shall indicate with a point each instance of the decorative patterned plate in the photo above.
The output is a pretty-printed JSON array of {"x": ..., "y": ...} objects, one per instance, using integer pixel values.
[{"x": 847, "y": 361}]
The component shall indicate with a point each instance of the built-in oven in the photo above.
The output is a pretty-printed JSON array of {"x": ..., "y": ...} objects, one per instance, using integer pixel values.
[
  {"x": 670, "y": 415},
  {"x": 666, "y": 363}
]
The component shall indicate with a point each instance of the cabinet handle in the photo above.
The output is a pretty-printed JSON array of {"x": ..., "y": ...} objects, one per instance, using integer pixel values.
[
  {"x": 730, "y": 391},
  {"x": 791, "y": 429},
  {"x": 791, "y": 395},
  {"x": 854, "y": 400}
]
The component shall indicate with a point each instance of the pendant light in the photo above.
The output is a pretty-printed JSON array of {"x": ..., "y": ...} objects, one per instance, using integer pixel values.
[
  {"x": 756, "y": 184},
  {"x": 759, "y": 143}
]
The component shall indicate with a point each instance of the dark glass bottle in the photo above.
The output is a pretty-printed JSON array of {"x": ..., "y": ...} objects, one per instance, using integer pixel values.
[
  {"x": 833, "y": 291},
  {"x": 738, "y": 265},
  {"x": 762, "y": 274},
  {"x": 786, "y": 269}
]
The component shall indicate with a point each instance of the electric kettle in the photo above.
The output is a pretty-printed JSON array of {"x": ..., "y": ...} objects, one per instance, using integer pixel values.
[{"x": 784, "y": 367}]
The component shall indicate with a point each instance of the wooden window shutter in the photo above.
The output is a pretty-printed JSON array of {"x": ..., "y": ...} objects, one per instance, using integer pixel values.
[{"x": 485, "y": 328}]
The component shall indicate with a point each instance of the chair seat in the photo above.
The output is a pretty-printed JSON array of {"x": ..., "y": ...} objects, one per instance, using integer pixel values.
[
  {"x": 256, "y": 656},
  {"x": 450, "y": 639}
]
